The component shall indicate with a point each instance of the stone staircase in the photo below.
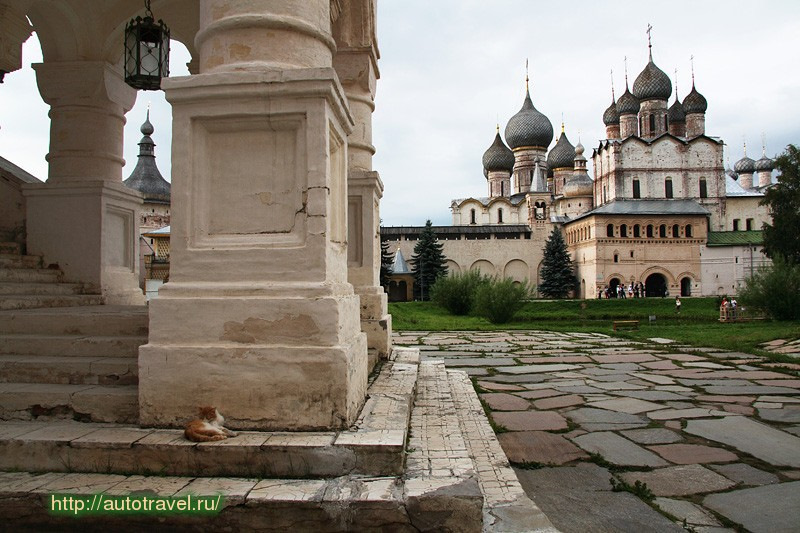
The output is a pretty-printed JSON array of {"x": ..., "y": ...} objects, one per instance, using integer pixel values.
[
  {"x": 77, "y": 363},
  {"x": 25, "y": 283}
]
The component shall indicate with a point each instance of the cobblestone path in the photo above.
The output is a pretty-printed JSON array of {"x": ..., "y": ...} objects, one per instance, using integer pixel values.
[{"x": 587, "y": 418}]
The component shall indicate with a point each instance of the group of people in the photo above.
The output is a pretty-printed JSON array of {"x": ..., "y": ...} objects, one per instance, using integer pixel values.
[
  {"x": 728, "y": 309},
  {"x": 632, "y": 290}
]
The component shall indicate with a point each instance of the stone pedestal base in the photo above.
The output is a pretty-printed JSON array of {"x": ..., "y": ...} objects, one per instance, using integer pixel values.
[
  {"x": 267, "y": 359},
  {"x": 90, "y": 229},
  {"x": 375, "y": 322}
]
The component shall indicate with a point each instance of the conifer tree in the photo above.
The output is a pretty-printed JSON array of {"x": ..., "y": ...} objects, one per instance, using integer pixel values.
[
  {"x": 387, "y": 262},
  {"x": 428, "y": 262},
  {"x": 558, "y": 277}
]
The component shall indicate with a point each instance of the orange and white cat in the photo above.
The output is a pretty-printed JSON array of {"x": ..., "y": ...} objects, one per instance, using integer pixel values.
[{"x": 208, "y": 427}]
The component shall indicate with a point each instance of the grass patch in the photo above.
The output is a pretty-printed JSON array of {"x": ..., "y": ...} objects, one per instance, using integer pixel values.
[
  {"x": 638, "y": 489},
  {"x": 697, "y": 325}
]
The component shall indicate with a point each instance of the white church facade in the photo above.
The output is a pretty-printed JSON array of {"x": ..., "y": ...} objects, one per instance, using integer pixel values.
[{"x": 661, "y": 209}]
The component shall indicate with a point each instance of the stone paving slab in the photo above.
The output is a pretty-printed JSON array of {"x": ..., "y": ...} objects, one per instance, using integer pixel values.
[
  {"x": 686, "y": 454},
  {"x": 694, "y": 515},
  {"x": 745, "y": 474},
  {"x": 530, "y": 420},
  {"x": 652, "y": 436},
  {"x": 618, "y": 450},
  {"x": 539, "y": 447},
  {"x": 627, "y": 405},
  {"x": 499, "y": 401},
  {"x": 680, "y": 480},
  {"x": 771, "y": 445},
  {"x": 771, "y": 508}
]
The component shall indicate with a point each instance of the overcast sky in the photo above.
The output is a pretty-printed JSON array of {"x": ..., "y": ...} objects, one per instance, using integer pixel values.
[{"x": 451, "y": 69}]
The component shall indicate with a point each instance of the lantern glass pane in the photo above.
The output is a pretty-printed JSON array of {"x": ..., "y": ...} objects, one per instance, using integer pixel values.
[{"x": 149, "y": 58}]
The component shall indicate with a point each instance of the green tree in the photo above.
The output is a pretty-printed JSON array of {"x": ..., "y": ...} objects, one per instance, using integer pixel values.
[
  {"x": 500, "y": 299},
  {"x": 782, "y": 237},
  {"x": 428, "y": 262},
  {"x": 558, "y": 277},
  {"x": 775, "y": 290},
  {"x": 387, "y": 262}
]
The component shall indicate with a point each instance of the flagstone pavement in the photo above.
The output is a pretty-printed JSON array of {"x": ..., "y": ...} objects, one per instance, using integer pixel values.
[{"x": 714, "y": 435}]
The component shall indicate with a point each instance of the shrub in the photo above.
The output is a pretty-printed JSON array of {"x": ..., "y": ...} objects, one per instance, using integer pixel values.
[
  {"x": 456, "y": 293},
  {"x": 500, "y": 299},
  {"x": 775, "y": 290}
]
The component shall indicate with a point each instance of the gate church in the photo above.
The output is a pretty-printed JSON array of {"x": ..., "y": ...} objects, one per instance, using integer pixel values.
[{"x": 661, "y": 209}]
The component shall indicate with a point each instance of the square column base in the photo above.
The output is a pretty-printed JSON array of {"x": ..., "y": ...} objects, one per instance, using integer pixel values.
[
  {"x": 266, "y": 363},
  {"x": 376, "y": 322},
  {"x": 90, "y": 229}
]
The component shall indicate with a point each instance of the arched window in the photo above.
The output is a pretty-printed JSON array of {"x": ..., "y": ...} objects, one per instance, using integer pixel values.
[
  {"x": 636, "y": 231},
  {"x": 623, "y": 231},
  {"x": 499, "y": 216},
  {"x": 662, "y": 231},
  {"x": 703, "y": 188},
  {"x": 502, "y": 188},
  {"x": 610, "y": 230},
  {"x": 676, "y": 231},
  {"x": 649, "y": 231},
  {"x": 472, "y": 216},
  {"x": 668, "y": 188},
  {"x": 637, "y": 191},
  {"x": 652, "y": 124},
  {"x": 688, "y": 230},
  {"x": 616, "y": 258}
]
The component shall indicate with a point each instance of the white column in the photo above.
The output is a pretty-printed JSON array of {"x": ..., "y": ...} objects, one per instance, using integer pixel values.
[
  {"x": 83, "y": 218},
  {"x": 258, "y": 318}
]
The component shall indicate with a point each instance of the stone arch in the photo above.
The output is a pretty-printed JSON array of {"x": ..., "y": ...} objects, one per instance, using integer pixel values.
[
  {"x": 452, "y": 267},
  {"x": 517, "y": 270},
  {"x": 484, "y": 267},
  {"x": 656, "y": 285}
]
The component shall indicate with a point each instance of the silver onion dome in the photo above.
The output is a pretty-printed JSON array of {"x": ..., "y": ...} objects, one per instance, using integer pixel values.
[{"x": 529, "y": 127}]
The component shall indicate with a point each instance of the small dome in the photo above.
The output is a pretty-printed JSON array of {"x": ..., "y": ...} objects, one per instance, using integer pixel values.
[
  {"x": 732, "y": 173},
  {"x": 611, "y": 115},
  {"x": 745, "y": 166},
  {"x": 579, "y": 149},
  {"x": 498, "y": 156},
  {"x": 579, "y": 184},
  {"x": 765, "y": 164},
  {"x": 676, "y": 113},
  {"x": 652, "y": 83},
  {"x": 694, "y": 102},
  {"x": 627, "y": 104},
  {"x": 562, "y": 155},
  {"x": 529, "y": 127},
  {"x": 147, "y": 127}
]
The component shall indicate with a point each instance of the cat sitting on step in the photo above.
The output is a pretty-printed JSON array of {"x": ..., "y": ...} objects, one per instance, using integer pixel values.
[{"x": 208, "y": 427}]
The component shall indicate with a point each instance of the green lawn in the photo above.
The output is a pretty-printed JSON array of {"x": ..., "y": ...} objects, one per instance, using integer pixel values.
[{"x": 697, "y": 323}]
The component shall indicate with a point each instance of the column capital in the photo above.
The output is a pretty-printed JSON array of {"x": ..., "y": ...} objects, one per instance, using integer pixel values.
[{"x": 85, "y": 83}]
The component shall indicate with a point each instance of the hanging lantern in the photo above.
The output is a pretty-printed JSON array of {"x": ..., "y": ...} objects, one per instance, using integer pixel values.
[{"x": 146, "y": 51}]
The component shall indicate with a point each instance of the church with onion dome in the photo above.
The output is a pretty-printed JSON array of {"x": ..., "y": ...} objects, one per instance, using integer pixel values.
[{"x": 660, "y": 210}]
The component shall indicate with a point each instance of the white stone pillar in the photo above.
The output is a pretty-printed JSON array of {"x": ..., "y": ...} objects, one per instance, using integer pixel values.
[
  {"x": 357, "y": 70},
  {"x": 258, "y": 318},
  {"x": 83, "y": 218}
]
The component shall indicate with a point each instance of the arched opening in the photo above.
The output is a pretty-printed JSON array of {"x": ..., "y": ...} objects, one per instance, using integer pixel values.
[
  {"x": 662, "y": 231},
  {"x": 676, "y": 231},
  {"x": 499, "y": 216},
  {"x": 668, "y": 188},
  {"x": 655, "y": 285},
  {"x": 612, "y": 287},
  {"x": 623, "y": 231},
  {"x": 472, "y": 216},
  {"x": 637, "y": 231},
  {"x": 686, "y": 286},
  {"x": 649, "y": 231},
  {"x": 688, "y": 230},
  {"x": 610, "y": 230}
]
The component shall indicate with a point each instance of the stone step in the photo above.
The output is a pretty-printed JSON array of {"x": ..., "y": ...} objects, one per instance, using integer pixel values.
[
  {"x": 10, "y": 247},
  {"x": 100, "y": 320},
  {"x": 24, "y": 301},
  {"x": 17, "y": 260},
  {"x": 350, "y": 503},
  {"x": 36, "y": 275},
  {"x": 69, "y": 370},
  {"x": 30, "y": 288},
  {"x": 48, "y": 401},
  {"x": 70, "y": 345},
  {"x": 374, "y": 446}
]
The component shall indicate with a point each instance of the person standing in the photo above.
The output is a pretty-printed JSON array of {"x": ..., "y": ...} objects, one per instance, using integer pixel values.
[{"x": 677, "y": 305}]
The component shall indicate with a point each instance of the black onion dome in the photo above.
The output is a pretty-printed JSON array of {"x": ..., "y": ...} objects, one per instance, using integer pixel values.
[
  {"x": 562, "y": 155},
  {"x": 695, "y": 102},
  {"x": 611, "y": 115},
  {"x": 498, "y": 156},
  {"x": 745, "y": 166},
  {"x": 765, "y": 164},
  {"x": 732, "y": 173},
  {"x": 146, "y": 177},
  {"x": 529, "y": 127},
  {"x": 627, "y": 104},
  {"x": 676, "y": 113},
  {"x": 652, "y": 84}
]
